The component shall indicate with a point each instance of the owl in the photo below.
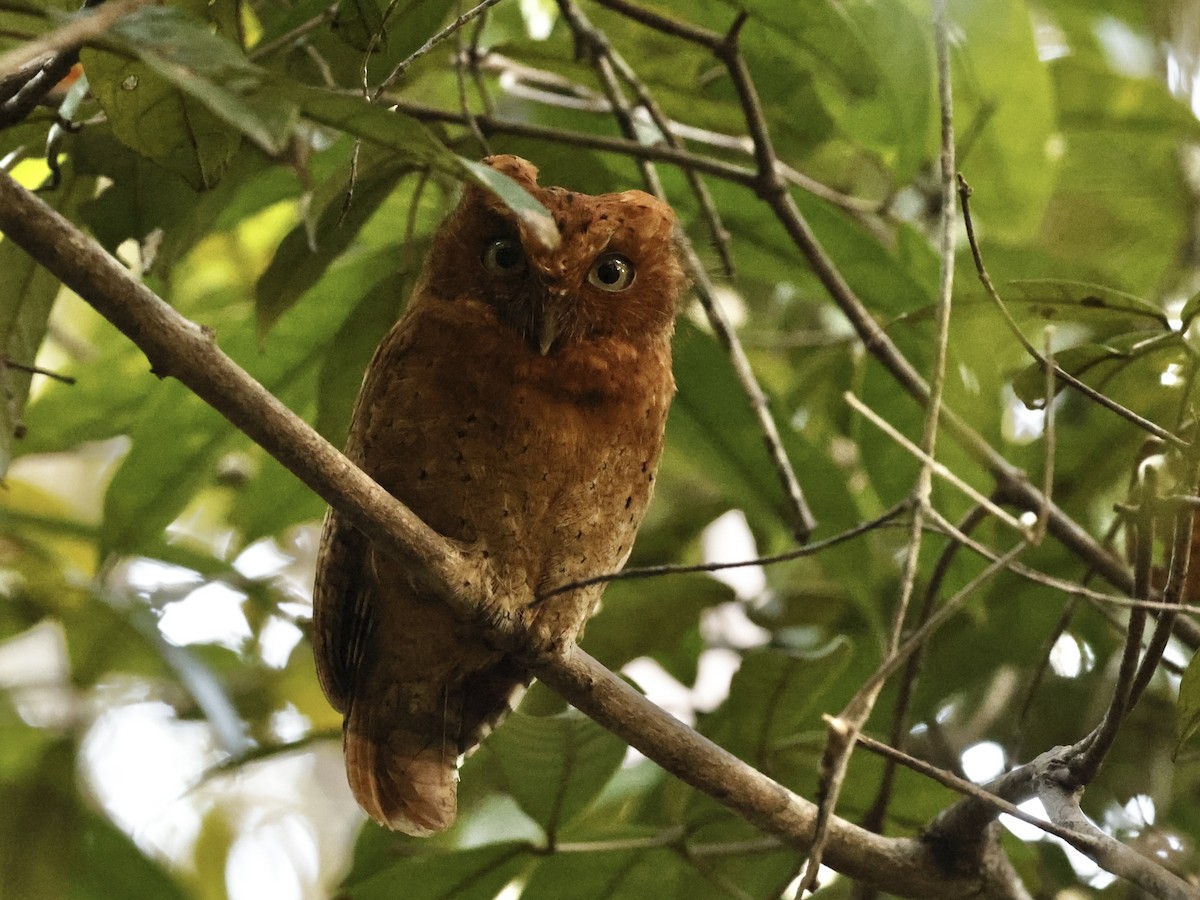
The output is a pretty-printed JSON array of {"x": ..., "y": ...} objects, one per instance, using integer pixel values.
[{"x": 518, "y": 408}]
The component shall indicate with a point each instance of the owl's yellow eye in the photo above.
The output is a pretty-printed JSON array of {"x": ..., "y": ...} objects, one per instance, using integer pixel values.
[
  {"x": 611, "y": 272},
  {"x": 504, "y": 257}
]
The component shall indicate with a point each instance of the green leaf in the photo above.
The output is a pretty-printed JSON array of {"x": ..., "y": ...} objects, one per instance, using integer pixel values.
[
  {"x": 21, "y": 745},
  {"x": 107, "y": 865},
  {"x": 413, "y": 143},
  {"x": 272, "y": 501},
  {"x": 409, "y": 140},
  {"x": 477, "y": 874},
  {"x": 103, "y": 640},
  {"x": 210, "y": 854},
  {"x": 773, "y": 696},
  {"x": 183, "y": 96},
  {"x": 713, "y": 433},
  {"x": 553, "y": 766},
  {"x": 665, "y": 608},
  {"x": 303, "y": 257},
  {"x": 827, "y": 31},
  {"x": 150, "y": 115},
  {"x": 1098, "y": 362},
  {"x": 1055, "y": 299},
  {"x": 105, "y": 400},
  {"x": 528, "y": 211},
  {"x": 1188, "y": 313},
  {"x": 27, "y": 293},
  {"x": 1120, "y": 205},
  {"x": 398, "y": 28},
  {"x": 178, "y": 438},
  {"x": 1187, "y": 709},
  {"x": 360, "y": 24},
  {"x": 139, "y": 195},
  {"x": 184, "y": 51},
  {"x": 53, "y": 845},
  {"x": 632, "y": 874},
  {"x": 353, "y": 346},
  {"x": 1004, "y": 115},
  {"x": 895, "y": 117}
]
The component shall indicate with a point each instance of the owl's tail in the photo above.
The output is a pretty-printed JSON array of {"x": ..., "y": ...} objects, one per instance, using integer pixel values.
[{"x": 405, "y": 780}]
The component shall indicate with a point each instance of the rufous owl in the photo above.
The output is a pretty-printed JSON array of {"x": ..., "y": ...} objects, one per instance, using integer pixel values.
[{"x": 517, "y": 407}]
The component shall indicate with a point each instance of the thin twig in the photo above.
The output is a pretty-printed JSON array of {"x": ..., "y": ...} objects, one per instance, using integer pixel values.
[
  {"x": 1177, "y": 578},
  {"x": 401, "y": 67},
  {"x": 262, "y": 51},
  {"x": 460, "y": 78},
  {"x": 473, "y": 64},
  {"x": 1011, "y": 481},
  {"x": 856, "y": 713},
  {"x": 875, "y": 816},
  {"x": 954, "y": 782},
  {"x": 1049, "y": 431},
  {"x": 933, "y": 466},
  {"x": 36, "y": 370},
  {"x": 632, "y": 149},
  {"x": 842, "y": 730},
  {"x": 1057, "y": 790},
  {"x": 566, "y": 94},
  {"x": 377, "y": 36},
  {"x": 802, "y": 520},
  {"x": 600, "y": 45},
  {"x": 1070, "y": 588},
  {"x": 691, "y": 33},
  {"x": 919, "y": 636},
  {"x": 260, "y": 753},
  {"x": 965, "y": 822},
  {"x": 1097, "y": 744},
  {"x": 800, "y": 552}
]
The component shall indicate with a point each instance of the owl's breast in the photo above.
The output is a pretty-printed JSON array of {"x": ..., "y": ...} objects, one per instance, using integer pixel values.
[{"x": 546, "y": 463}]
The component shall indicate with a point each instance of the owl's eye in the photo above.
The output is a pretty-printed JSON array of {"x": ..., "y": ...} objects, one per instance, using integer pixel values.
[
  {"x": 612, "y": 272},
  {"x": 504, "y": 257}
]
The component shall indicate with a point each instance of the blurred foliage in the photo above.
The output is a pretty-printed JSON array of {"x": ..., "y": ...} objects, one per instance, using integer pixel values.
[{"x": 155, "y": 565}]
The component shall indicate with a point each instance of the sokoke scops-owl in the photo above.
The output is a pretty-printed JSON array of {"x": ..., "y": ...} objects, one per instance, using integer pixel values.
[{"x": 518, "y": 408}]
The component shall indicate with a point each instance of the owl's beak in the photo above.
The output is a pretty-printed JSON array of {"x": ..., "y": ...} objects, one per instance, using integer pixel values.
[{"x": 547, "y": 332}]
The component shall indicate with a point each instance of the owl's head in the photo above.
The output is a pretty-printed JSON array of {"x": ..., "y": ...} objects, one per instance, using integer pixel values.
[{"x": 614, "y": 274}]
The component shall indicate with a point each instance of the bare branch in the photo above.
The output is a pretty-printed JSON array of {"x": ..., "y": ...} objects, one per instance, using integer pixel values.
[
  {"x": 1056, "y": 789},
  {"x": 812, "y": 549},
  {"x": 1049, "y": 779}
]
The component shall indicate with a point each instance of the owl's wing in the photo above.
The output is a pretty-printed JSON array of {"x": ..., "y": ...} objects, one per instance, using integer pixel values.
[
  {"x": 342, "y": 604},
  {"x": 341, "y": 608}
]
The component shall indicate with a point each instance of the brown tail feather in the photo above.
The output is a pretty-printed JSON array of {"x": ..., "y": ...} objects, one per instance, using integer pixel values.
[{"x": 404, "y": 780}]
